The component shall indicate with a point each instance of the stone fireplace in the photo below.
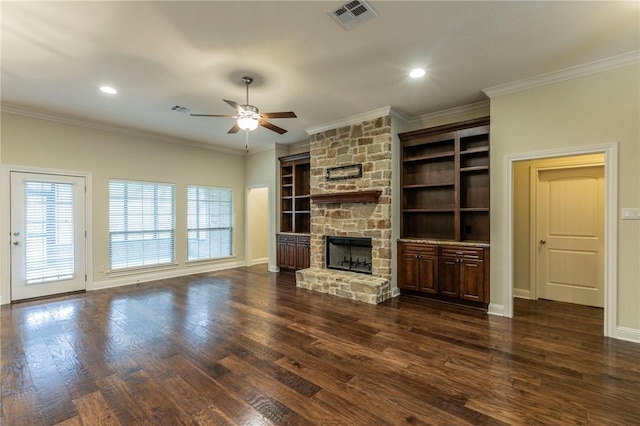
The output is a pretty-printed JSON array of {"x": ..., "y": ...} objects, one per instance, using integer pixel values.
[{"x": 351, "y": 207}]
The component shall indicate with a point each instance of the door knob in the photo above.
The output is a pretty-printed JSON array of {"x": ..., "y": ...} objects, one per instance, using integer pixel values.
[
  {"x": 15, "y": 243},
  {"x": 543, "y": 241}
]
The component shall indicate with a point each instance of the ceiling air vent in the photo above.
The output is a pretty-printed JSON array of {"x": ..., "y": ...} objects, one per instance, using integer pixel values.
[
  {"x": 353, "y": 13},
  {"x": 182, "y": 109}
]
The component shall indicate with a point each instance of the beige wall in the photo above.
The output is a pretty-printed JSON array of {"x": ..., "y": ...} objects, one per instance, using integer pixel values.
[
  {"x": 32, "y": 142},
  {"x": 257, "y": 225},
  {"x": 591, "y": 110},
  {"x": 522, "y": 210}
]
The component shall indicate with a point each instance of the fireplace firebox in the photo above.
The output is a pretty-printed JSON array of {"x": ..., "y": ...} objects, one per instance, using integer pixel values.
[{"x": 348, "y": 254}]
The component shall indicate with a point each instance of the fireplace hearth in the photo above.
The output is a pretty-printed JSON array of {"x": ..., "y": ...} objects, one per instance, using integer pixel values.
[{"x": 349, "y": 254}]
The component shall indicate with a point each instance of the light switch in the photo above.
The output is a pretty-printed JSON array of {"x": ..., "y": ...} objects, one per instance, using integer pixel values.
[{"x": 631, "y": 214}]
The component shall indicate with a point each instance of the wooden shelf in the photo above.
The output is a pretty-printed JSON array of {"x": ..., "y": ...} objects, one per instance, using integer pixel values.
[
  {"x": 428, "y": 210},
  {"x": 474, "y": 169},
  {"x": 428, "y": 185},
  {"x": 429, "y": 157},
  {"x": 474, "y": 209},
  {"x": 347, "y": 197},
  {"x": 479, "y": 150}
]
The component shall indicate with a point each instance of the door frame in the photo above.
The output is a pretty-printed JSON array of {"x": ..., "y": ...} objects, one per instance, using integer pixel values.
[
  {"x": 610, "y": 151},
  {"x": 5, "y": 222},
  {"x": 533, "y": 204}
]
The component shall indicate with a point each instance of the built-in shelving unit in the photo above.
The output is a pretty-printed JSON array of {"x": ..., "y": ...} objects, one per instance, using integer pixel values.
[
  {"x": 295, "y": 212},
  {"x": 444, "y": 250},
  {"x": 445, "y": 182},
  {"x": 295, "y": 204}
]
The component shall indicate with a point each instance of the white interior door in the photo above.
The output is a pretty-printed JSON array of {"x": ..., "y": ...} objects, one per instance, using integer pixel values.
[
  {"x": 48, "y": 235},
  {"x": 570, "y": 235}
]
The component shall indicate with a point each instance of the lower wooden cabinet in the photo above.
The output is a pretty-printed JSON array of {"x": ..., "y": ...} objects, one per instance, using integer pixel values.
[
  {"x": 419, "y": 268},
  {"x": 293, "y": 251},
  {"x": 453, "y": 272}
]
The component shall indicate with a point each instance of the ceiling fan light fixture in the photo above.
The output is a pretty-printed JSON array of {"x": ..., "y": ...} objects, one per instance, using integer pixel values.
[{"x": 248, "y": 123}]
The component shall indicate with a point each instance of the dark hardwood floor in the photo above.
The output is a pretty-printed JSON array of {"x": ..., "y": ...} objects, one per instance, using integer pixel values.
[{"x": 245, "y": 346}]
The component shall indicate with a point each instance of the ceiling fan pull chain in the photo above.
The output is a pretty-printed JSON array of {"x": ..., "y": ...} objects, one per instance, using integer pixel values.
[{"x": 246, "y": 140}]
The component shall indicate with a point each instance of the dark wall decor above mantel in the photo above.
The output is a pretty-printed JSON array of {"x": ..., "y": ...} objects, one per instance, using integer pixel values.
[{"x": 352, "y": 171}]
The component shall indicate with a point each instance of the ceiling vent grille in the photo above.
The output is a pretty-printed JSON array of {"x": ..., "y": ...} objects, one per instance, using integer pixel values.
[
  {"x": 182, "y": 109},
  {"x": 353, "y": 13}
]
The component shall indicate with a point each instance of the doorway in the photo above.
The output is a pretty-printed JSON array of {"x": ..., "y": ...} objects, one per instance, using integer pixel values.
[
  {"x": 48, "y": 252},
  {"x": 513, "y": 254},
  {"x": 257, "y": 225}
]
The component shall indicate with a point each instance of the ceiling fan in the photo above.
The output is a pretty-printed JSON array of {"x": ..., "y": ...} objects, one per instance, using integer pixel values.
[{"x": 248, "y": 116}]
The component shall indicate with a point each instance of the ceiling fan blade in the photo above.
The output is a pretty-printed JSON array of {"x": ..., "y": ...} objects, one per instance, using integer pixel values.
[
  {"x": 234, "y": 129},
  {"x": 272, "y": 127},
  {"x": 212, "y": 115},
  {"x": 288, "y": 114},
  {"x": 234, "y": 105}
]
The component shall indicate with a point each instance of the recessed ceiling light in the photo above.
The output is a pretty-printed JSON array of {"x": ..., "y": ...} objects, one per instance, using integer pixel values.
[
  {"x": 417, "y": 73},
  {"x": 108, "y": 89}
]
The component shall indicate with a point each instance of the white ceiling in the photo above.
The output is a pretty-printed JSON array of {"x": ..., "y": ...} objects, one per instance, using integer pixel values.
[{"x": 193, "y": 54}]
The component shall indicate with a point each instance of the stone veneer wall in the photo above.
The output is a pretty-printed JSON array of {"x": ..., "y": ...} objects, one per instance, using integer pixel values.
[{"x": 367, "y": 143}]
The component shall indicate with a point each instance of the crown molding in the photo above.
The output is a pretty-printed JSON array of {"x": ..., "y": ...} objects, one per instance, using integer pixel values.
[
  {"x": 595, "y": 67},
  {"x": 300, "y": 145},
  {"x": 98, "y": 125},
  {"x": 395, "y": 113},
  {"x": 451, "y": 112},
  {"x": 355, "y": 119}
]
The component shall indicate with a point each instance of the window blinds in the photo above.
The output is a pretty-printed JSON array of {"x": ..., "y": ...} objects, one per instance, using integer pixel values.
[
  {"x": 141, "y": 224},
  {"x": 209, "y": 222},
  {"x": 49, "y": 235}
]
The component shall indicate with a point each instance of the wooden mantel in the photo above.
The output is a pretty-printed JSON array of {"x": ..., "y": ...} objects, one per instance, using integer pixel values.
[{"x": 347, "y": 197}]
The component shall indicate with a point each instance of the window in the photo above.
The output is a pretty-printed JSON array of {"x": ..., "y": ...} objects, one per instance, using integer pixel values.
[
  {"x": 209, "y": 222},
  {"x": 141, "y": 224}
]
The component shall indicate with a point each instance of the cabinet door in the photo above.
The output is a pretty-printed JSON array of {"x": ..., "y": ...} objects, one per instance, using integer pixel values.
[
  {"x": 472, "y": 280},
  {"x": 448, "y": 276},
  {"x": 290, "y": 256},
  {"x": 286, "y": 252},
  {"x": 428, "y": 282},
  {"x": 410, "y": 271},
  {"x": 302, "y": 254}
]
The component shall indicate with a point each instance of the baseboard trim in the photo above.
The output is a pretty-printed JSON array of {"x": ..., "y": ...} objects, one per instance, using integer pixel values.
[
  {"x": 273, "y": 268},
  {"x": 495, "y": 309},
  {"x": 395, "y": 292},
  {"x": 259, "y": 261},
  {"x": 521, "y": 293},
  {"x": 173, "y": 273},
  {"x": 628, "y": 334}
]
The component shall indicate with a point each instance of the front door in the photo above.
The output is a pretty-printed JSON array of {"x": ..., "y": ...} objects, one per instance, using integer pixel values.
[
  {"x": 570, "y": 235},
  {"x": 47, "y": 234}
]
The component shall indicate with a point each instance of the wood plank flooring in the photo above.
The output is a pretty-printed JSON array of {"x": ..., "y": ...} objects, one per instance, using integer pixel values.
[{"x": 246, "y": 347}]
